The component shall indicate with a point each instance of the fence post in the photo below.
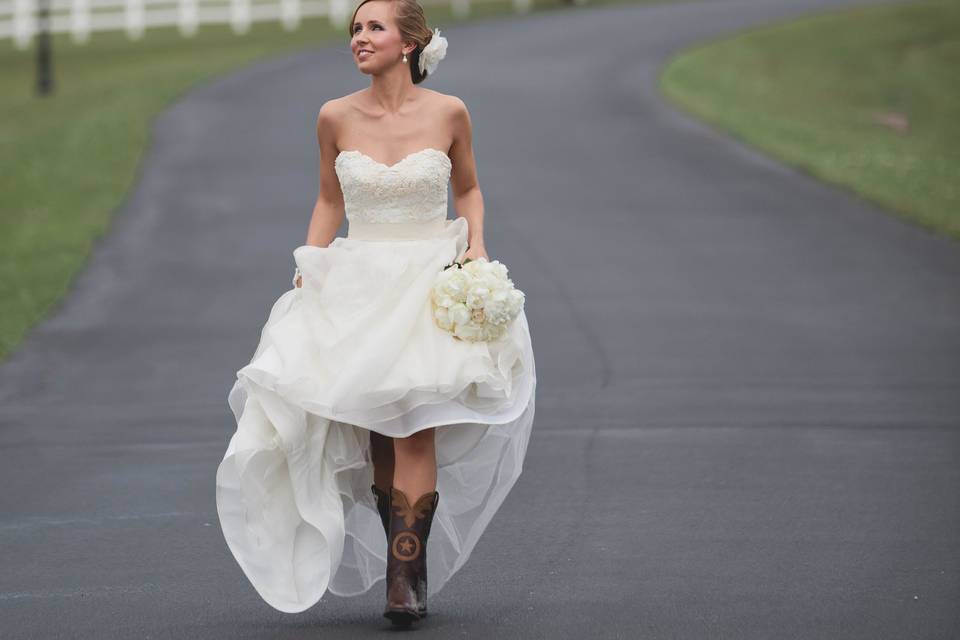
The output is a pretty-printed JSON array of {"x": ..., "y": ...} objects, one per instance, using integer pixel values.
[
  {"x": 522, "y": 6},
  {"x": 24, "y": 22},
  {"x": 240, "y": 15},
  {"x": 290, "y": 14},
  {"x": 339, "y": 13},
  {"x": 187, "y": 17},
  {"x": 134, "y": 19},
  {"x": 80, "y": 21}
]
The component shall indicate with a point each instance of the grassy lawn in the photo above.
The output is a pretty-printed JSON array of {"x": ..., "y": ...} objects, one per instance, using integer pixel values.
[
  {"x": 67, "y": 161},
  {"x": 865, "y": 98}
]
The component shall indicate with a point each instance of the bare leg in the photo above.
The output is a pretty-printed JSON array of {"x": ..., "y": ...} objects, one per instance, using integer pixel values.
[
  {"x": 415, "y": 471},
  {"x": 381, "y": 452}
]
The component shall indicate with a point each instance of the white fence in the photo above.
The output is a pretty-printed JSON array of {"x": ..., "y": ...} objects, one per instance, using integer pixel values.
[{"x": 19, "y": 18}]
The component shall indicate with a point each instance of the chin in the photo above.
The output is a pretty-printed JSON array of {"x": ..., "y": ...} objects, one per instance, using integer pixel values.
[{"x": 366, "y": 68}]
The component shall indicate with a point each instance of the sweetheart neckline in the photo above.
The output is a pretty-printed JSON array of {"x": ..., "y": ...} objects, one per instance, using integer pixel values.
[{"x": 399, "y": 162}]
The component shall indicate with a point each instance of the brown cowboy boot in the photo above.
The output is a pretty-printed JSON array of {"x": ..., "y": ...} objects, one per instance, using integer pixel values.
[
  {"x": 407, "y": 555},
  {"x": 383, "y": 507}
]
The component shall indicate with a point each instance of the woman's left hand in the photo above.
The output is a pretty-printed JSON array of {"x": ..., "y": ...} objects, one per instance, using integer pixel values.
[{"x": 474, "y": 252}]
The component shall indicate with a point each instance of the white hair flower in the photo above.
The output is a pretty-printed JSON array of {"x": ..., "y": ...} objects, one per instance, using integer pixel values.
[{"x": 433, "y": 53}]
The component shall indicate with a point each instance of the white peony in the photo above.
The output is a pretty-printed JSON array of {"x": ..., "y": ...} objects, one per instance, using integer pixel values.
[
  {"x": 497, "y": 307},
  {"x": 468, "y": 331},
  {"x": 457, "y": 282},
  {"x": 477, "y": 295},
  {"x": 475, "y": 301},
  {"x": 459, "y": 314},
  {"x": 442, "y": 316}
]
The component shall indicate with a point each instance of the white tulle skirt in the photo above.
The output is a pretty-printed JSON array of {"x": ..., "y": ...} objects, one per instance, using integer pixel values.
[{"x": 355, "y": 350}]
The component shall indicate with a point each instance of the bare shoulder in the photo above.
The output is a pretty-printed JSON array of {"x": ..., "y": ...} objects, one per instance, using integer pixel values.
[
  {"x": 334, "y": 116},
  {"x": 334, "y": 110},
  {"x": 449, "y": 104},
  {"x": 452, "y": 111},
  {"x": 330, "y": 119},
  {"x": 342, "y": 107}
]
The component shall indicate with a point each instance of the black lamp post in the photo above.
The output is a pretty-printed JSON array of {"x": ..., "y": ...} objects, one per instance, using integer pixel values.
[{"x": 44, "y": 53}]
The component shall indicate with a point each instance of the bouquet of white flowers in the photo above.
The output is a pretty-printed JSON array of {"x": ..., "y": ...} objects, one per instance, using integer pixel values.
[{"x": 475, "y": 300}]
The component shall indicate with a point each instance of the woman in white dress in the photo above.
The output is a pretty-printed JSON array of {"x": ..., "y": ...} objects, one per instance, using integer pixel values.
[{"x": 357, "y": 411}]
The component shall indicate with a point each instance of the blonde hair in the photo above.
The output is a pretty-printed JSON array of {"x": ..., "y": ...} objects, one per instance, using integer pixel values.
[{"x": 413, "y": 28}]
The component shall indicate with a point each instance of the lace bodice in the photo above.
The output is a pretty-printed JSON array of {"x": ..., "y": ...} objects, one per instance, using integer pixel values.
[{"x": 412, "y": 190}]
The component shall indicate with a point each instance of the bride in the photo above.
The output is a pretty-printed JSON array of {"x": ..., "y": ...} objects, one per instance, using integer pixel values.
[{"x": 357, "y": 412}]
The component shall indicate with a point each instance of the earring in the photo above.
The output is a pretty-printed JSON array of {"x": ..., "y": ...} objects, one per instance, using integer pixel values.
[{"x": 404, "y": 58}]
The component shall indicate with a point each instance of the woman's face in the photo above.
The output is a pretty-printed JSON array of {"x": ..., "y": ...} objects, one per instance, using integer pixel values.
[{"x": 376, "y": 43}]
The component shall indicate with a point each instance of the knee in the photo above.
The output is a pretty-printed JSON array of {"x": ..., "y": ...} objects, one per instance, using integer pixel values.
[{"x": 419, "y": 443}]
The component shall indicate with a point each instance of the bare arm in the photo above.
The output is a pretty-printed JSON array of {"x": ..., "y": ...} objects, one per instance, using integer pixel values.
[
  {"x": 328, "y": 211},
  {"x": 467, "y": 198}
]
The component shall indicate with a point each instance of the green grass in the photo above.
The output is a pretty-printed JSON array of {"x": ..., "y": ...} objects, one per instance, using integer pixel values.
[
  {"x": 809, "y": 92},
  {"x": 67, "y": 161}
]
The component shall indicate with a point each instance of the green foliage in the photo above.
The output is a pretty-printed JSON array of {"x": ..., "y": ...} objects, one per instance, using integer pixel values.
[{"x": 865, "y": 98}]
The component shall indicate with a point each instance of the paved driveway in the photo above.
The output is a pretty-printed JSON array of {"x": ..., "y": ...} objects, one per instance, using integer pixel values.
[{"x": 748, "y": 423}]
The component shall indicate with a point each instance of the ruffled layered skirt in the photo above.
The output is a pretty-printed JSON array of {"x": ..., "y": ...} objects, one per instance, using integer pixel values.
[{"x": 354, "y": 350}]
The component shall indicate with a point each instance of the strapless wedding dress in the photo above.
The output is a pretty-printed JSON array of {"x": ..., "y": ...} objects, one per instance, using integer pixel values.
[{"x": 355, "y": 349}]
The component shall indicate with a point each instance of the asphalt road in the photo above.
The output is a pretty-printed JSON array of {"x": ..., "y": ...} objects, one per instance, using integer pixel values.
[{"x": 748, "y": 423}]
